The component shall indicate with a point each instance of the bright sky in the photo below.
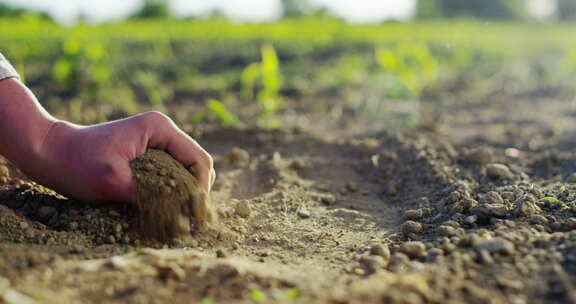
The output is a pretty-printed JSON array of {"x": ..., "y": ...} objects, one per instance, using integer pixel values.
[
  {"x": 357, "y": 11},
  {"x": 257, "y": 10}
]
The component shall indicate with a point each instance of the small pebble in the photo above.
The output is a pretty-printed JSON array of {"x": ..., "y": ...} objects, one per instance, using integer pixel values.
[
  {"x": 479, "y": 156},
  {"x": 499, "y": 171},
  {"x": 398, "y": 261},
  {"x": 492, "y": 197},
  {"x": 526, "y": 209},
  {"x": 380, "y": 250},
  {"x": 414, "y": 249},
  {"x": 409, "y": 227},
  {"x": 373, "y": 263},
  {"x": 488, "y": 211},
  {"x": 243, "y": 209},
  {"x": 468, "y": 203},
  {"x": 413, "y": 214},
  {"x": 304, "y": 213},
  {"x": 470, "y": 219},
  {"x": 495, "y": 245},
  {"x": 359, "y": 271},
  {"x": 446, "y": 230},
  {"x": 239, "y": 157},
  {"x": 538, "y": 220},
  {"x": 221, "y": 253}
]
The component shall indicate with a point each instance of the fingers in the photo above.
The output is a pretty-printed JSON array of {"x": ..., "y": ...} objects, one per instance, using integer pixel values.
[
  {"x": 194, "y": 171},
  {"x": 213, "y": 178},
  {"x": 164, "y": 134}
]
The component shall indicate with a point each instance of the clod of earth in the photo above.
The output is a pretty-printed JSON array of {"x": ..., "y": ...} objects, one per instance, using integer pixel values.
[
  {"x": 499, "y": 171},
  {"x": 243, "y": 209},
  {"x": 380, "y": 250},
  {"x": 414, "y": 250},
  {"x": 170, "y": 201},
  {"x": 411, "y": 227},
  {"x": 479, "y": 156},
  {"x": 239, "y": 157}
]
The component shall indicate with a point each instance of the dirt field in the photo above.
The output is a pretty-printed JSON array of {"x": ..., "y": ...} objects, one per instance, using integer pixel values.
[{"x": 476, "y": 208}]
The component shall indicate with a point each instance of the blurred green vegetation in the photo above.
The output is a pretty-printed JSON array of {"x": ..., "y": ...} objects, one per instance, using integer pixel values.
[
  {"x": 10, "y": 11},
  {"x": 493, "y": 9},
  {"x": 152, "y": 9},
  {"x": 235, "y": 73},
  {"x": 566, "y": 10}
]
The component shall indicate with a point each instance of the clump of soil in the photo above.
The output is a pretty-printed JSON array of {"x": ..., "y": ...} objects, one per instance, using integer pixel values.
[{"x": 171, "y": 202}]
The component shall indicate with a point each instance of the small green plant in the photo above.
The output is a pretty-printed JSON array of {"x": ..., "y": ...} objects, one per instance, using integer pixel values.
[
  {"x": 268, "y": 97},
  {"x": 258, "y": 296},
  {"x": 292, "y": 294},
  {"x": 412, "y": 64},
  {"x": 151, "y": 86},
  {"x": 221, "y": 113},
  {"x": 81, "y": 68},
  {"x": 550, "y": 200}
]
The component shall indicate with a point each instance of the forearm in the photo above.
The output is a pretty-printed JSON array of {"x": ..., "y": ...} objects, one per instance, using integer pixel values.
[{"x": 23, "y": 122}]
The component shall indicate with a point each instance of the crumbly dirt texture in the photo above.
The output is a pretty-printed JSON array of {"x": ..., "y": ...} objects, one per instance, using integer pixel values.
[
  {"x": 480, "y": 209},
  {"x": 170, "y": 202}
]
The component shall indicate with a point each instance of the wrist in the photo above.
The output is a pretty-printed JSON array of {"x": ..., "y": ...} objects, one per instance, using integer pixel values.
[
  {"x": 24, "y": 122},
  {"x": 29, "y": 150},
  {"x": 29, "y": 146},
  {"x": 46, "y": 153}
]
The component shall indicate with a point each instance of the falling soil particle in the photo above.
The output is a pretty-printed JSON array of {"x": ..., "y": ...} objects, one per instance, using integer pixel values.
[{"x": 169, "y": 197}]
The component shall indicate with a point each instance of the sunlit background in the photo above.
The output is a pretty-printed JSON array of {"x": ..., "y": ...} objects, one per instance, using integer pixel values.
[
  {"x": 358, "y": 11},
  {"x": 257, "y": 61}
]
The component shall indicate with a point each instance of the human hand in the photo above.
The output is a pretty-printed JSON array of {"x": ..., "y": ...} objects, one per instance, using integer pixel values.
[{"x": 92, "y": 163}]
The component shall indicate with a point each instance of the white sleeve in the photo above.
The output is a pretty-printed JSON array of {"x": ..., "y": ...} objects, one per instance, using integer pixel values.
[{"x": 6, "y": 69}]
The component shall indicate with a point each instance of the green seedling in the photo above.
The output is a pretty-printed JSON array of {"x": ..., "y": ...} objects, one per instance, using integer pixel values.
[
  {"x": 268, "y": 73},
  {"x": 221, "y": 113},
  {"x": 258, "y": 296},
  {"x": 412, "y": 64},
  {"x": 292, "y": 294},
  {"x": 550, "y": 200}
]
